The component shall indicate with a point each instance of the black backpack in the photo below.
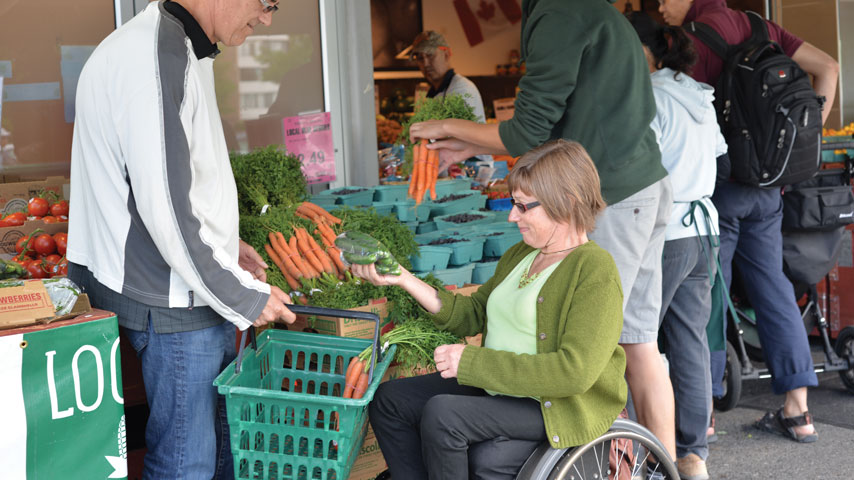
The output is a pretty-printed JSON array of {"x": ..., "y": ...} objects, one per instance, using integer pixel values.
[{"x": 768, "y": 112}]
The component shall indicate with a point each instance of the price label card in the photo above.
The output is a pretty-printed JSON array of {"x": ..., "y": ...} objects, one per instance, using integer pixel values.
[{"x": 309, "y": 137}]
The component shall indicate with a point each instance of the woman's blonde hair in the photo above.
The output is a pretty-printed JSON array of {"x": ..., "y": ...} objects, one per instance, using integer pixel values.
[{"x": 562, "y": 177}]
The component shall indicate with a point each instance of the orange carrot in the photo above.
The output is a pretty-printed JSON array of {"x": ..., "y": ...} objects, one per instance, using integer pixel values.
[
  {"x": 305, "y": 248},
  {"x": 320, "y": 212},
  {"x": 295, "y": 257},
  {"x": 413, "y": 179},
  {"x": 283, "y": 256},
  {"x": 321, "y": 255},
  {"x": 361, "y": 385},
  {"x": 335, "y": 255},
  {"x": 353, "y": 373},
  {"x": 292, "y": 282},
  {"x": 327, "y": 231},
  {"x": 434, "y": 173}
]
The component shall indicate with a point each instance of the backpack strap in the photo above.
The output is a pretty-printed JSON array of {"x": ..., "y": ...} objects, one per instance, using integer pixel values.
[
  {"x": 758, "y": 28},
  {"x": 710, "y": 37}
]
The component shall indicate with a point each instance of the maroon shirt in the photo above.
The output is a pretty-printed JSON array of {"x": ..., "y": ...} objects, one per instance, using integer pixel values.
[{"x": 734, "y": 27}]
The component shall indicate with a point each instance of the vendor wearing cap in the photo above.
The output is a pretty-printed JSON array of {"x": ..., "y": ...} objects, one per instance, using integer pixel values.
[{"x": 432, "y": 54}]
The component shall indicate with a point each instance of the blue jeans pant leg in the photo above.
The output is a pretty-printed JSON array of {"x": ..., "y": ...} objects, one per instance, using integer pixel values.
[
  {"x": 757, "y": 248},
  {"x": 686, "y": 306},
  {"x": 178, "y": 370}
]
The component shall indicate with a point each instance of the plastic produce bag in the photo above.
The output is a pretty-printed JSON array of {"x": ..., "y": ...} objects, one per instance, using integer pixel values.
[{"x": 362, "y": 249}]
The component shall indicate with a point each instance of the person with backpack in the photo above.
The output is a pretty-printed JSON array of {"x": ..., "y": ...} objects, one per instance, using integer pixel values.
[
  {"x": 688, "y": 135},
  {"x": 751, "y": 211}
]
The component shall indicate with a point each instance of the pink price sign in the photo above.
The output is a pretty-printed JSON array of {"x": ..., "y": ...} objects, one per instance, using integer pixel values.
[{"x": 309, "y": 137}]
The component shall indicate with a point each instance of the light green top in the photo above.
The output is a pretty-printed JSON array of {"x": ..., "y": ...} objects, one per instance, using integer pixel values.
[{"x": 511, "y": 311}]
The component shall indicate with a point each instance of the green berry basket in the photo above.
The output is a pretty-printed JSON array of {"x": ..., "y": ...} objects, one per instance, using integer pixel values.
[
  {"x": 483, "y": 271},
  {"x": 462, "y": 201},
  {"x": 352, "y": 196},
  {"x": 431, "y": 258},
  {"x": 499, "y": 241},
  {"x": 456, "y": 220},
  {"x": 283, "y": 398},
  {"x": 407, "y": 211},
  {"x": 458, "y": 276},
  {"x": 391, "y": 193},
  {"x": 446, "y": 186}
]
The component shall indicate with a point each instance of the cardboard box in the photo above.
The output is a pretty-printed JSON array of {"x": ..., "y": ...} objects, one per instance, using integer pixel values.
[
  {"x": 346, "y": 327},
  {"x": 14, "y": 196},
  {"x": 9, "y": 236},
  {"x": 370, "y": 461},
  {"x": 30, "y": 304}
]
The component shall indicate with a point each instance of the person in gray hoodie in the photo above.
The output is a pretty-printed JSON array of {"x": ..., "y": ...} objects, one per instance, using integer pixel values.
[{"x": 690, "y": 140}]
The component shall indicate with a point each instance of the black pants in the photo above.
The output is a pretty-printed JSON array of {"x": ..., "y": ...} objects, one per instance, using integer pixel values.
[{"x": 430, "y": 427}]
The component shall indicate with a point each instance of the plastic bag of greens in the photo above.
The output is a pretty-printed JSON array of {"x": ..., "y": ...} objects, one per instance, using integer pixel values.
[
  {"x": 362, "y": 249},
  {"x": 63, "y": 293}
]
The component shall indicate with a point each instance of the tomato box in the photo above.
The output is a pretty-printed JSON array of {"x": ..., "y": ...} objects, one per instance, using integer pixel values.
[
  {"x": 14, "y": 196},
  {"x": 29, "y": 304},
  {"x": 9, "y": 236},
  {"x": 346, "y": 327}
]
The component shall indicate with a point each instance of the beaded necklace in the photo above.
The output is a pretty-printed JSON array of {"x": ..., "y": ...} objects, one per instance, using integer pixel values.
[{"x": 527, "y": 279}]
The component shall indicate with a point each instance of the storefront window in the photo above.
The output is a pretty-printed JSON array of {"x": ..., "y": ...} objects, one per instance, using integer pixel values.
[
  {"x": 276, "y": 73},
  {"x": 42, "y": 49}
]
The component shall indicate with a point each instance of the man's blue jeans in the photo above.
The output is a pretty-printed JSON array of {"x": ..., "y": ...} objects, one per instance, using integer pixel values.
[{"x": 187, "y": 432}]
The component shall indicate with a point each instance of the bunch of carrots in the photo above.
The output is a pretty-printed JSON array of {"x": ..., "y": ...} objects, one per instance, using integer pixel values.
[
  {"x": 425, "y": 171},
  {"x": 301, "y": 256},
  {"x": 356, "y": 379}
]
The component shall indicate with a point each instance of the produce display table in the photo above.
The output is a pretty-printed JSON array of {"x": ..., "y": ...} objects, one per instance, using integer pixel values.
[{"x": 62, "y": 408}]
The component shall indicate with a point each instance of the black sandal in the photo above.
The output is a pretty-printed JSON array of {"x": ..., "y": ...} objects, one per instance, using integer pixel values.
[{"x": 775, "y": 422}]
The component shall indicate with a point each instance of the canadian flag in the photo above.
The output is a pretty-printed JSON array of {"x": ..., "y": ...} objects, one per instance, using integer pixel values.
[{"x": 483, "y": 18}]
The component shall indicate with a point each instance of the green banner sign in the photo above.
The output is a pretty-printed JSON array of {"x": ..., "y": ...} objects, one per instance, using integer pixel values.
[{"x": 65, "y": 405}]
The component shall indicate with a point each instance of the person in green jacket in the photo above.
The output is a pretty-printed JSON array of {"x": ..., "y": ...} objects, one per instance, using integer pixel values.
[
  {"x": 550, "y": 367},
  {"x": 587, "y": 81}
]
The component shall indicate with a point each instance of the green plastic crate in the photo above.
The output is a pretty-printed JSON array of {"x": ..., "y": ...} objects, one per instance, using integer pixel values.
[
  {"x": 363, "y": 198},
  {"x": 432, "y": 258},
  {"x": 285, "y": 412},
  {"x": 446, "y": 186},
  {"x": 469, "y": 250},
  {"x": 495, "y": 245},
  {"x": 391, "y": 193},
  {"x": 384, "y": 208},
  {"x": 426, "y": 227},
  {"x": 483, "y": 271},
  {"x": 453, "y": 276},
  {"x": 443, "y": 223},
  {"x": 501, "y": 216},
  {"x": 324, "y": 200},
  {"x": 407, "y": 211},
  {"x": 473, "y": 200},
  {"x": 412, "y": 226}
]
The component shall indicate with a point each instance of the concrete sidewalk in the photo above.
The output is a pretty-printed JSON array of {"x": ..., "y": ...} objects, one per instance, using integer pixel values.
[{"x": 743, "y": 452}]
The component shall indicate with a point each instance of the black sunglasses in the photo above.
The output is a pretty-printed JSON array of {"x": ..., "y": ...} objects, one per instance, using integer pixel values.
[
  {"x": 269, "y": 7},
  {"x": 523, "y": 207}
]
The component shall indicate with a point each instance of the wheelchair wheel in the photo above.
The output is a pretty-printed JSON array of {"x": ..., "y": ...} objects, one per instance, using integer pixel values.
[
  {"x": 731, "y": 382},
  {"x": 845, "y": 351},
  {"x": 626, "y": 451}
]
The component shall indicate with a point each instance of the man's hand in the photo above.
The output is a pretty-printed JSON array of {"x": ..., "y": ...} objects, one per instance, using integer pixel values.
[
  {"x": 249, "y": 260},
  {"x": 275, "y": 309},
  {"x": 447, "y": 359},
  {"x": 452, "y": 150}
]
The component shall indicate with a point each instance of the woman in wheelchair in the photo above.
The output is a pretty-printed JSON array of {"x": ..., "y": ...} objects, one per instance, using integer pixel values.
[{"x": 550, "y": 368}]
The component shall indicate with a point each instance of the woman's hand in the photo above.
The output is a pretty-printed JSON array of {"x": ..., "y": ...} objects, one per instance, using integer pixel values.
[
  {"x": 249, "y": 260},
  {"x": 447, "y": 359},
  {"x": 369, "y": 273}
]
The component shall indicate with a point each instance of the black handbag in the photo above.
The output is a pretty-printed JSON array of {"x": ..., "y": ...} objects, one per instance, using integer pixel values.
[{"x": 822, "y": 203}]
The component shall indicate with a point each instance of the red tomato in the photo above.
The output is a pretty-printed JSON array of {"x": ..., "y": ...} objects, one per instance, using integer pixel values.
[
  {"x": 20, "y": 244},
  {"x": 5, "y": 223},
  {"x": 16, "y": 219},
  {"x": 36, "y": 271},
  {"x": 59, "y": 208},
  {"x": 61, "y": 240},
  {"x": 63, "y": 218},
  {"x": 37, "y": 207},
  {"x": 44, "y": 244},
  {"x": 49, "y": 219},
  {"x": 52, "y": 259}
]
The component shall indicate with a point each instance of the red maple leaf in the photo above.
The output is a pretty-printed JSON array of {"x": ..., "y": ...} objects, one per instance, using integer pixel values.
[{"x": 486, "y": 10}]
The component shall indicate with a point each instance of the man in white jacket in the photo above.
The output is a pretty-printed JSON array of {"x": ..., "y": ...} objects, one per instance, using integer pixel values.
[{"x": 153, "y": 232}]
